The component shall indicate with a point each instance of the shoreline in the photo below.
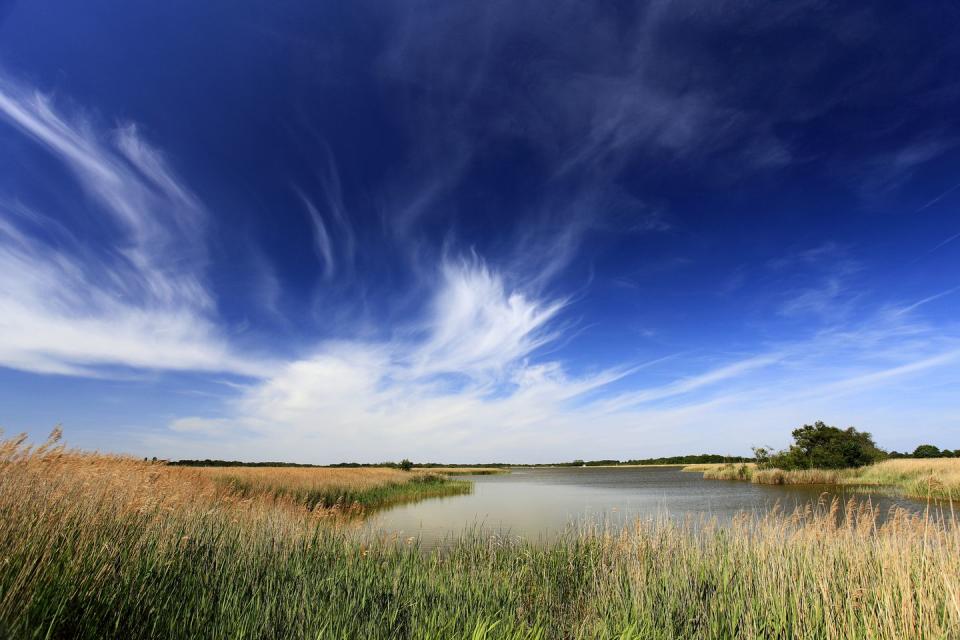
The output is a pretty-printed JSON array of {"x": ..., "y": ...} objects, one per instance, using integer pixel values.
[{"x": 919, "y": 479}]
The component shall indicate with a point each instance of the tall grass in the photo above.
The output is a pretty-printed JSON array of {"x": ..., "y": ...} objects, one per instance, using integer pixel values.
[
  {"x": 351, "y": 490},
  {"x": 740, "y": 471},
  {"x": 936, "y": 478},
  {"x": 800, "y": 476},
  {"x": 469, "y": 471},
  {"x": 98, "y": 546}
]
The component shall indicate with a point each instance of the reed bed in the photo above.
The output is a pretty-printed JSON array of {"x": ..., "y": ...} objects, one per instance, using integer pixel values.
[
  {"x": 350, "y": 490},
  {"x": 937, "y": 478},
  {"x": 800, "y": 476},
  {"x": 742, "y": 471},
  {"x": 469, "y": 471},
  {"x": 750, "y": 473},
  {"x": 701, "y": 467},
  {"x": 931, "y": 478},
  {"x": 96, "y": 546}
]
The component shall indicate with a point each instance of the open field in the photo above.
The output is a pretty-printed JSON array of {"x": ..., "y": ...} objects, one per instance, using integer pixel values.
[
  {"x": 935, "y": 478},
  {"x": 96, "y": 546}
]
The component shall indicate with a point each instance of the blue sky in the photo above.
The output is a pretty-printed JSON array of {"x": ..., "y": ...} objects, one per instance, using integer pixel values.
[{"x": 464, "y": 231}]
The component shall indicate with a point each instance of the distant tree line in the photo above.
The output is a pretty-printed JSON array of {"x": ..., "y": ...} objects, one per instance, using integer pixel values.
[
  {"x": 237, "y": 463},
  {"x": 419, "y": 465},
  {"x": 403, "y": 464},
  {"x": 816, "y": 446},
  {"x": 700, "y": 458},
  {"x": 926, "y": 451}
]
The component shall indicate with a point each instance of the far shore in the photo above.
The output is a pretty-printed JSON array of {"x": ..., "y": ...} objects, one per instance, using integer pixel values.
[{"x": 921, "y": 478}]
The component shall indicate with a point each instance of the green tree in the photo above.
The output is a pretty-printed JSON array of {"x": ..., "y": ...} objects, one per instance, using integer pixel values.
[
  {"x": 926, "y": 451},
  {"x": 406, "y": 465},
  {"x": 821, "y": 446}
]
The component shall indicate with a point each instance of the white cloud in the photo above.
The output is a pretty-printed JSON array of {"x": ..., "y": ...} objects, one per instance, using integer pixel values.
[
  {"x": 468, "y": 387},
  {"x": 478, "y": 326},
  {"x": 140, "y": 302},
  {"x": 321, "y": 239},
  {"x": 687, "y": 385},
  {"x": 467, "y": 382}
]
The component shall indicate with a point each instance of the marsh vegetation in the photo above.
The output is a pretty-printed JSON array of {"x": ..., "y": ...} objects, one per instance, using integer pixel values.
[
  {"x": 825, "y": 455},
  {"x": 933, "y": 478},
  {"x": 323, "y": 490},
  {"x": 96, "y": 546}
]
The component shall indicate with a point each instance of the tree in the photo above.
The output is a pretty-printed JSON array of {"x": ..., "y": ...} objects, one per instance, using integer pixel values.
[
  {"x": 406, "y": 465},
  {"x": 762, "y": 455},
  {"x": 926, "y": 451},
  {"x": 820, "y": 446}
]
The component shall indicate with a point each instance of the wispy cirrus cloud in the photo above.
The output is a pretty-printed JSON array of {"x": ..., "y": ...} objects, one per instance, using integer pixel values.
[
  {"x": 476, "y": 324},
  {"x": 471, "y": 383},
  {"x": 818, "y": 282},
  {"x": 124, "y": 289},
  {"x": 321, "y": 240},
  {"x": 945, "y": 242},
  {"x": 460, "y": 375},
  {"x": 468, "y": 377}
]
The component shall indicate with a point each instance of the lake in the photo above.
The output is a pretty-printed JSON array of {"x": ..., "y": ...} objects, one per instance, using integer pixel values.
[{"x": 540, "y": 504}]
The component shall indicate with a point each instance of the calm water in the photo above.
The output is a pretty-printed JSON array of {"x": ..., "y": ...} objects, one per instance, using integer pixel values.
[{"x": 539, "y": 504}]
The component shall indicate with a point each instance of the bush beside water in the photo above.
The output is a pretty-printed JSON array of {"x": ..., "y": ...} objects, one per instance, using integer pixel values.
[{"x": 826, "y": 455}]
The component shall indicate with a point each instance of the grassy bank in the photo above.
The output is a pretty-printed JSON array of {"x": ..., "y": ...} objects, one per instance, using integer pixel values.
[
  {"x": 342, "y": 490},
  {"x": 98, "y": 546},
  {"x": 935, "y": 478}
]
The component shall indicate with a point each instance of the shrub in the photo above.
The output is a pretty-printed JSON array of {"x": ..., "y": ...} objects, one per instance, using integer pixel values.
[{"x": 820, "y": 446}]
